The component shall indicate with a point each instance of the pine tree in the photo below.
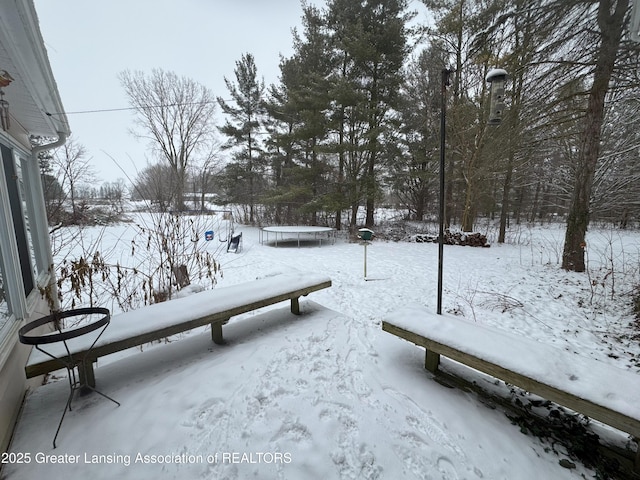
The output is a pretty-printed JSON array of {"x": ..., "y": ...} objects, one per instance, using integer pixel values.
[
  {"x": 373, "y": 34},
  {"x": 242, "y": 128},
  {"x": 300, "y": 106},
  {"x": 415, "y": 176}
]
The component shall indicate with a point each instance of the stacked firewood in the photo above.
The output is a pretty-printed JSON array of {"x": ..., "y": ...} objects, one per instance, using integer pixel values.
[{"x": 454, "y": 238}]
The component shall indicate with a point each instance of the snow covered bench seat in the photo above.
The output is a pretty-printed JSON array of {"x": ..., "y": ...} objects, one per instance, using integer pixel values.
[
  {"x": 600, "y": 391},
  {"x": 154, "y": 322}
]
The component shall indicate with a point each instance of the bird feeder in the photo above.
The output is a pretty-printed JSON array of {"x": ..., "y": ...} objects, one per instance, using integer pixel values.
[
  {"x": 365, "y": 234},
  {"x": 497, "y": 77}
]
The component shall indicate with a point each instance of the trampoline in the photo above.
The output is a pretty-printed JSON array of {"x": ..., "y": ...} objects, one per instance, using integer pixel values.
[{"x": 294, "y": 232}]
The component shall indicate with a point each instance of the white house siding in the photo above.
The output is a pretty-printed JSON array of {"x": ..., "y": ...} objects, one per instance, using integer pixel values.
[
  {"x": 21, "y": 305},
  {"x": 12, "y": 381},
  {"x": 25, "y": 252}
]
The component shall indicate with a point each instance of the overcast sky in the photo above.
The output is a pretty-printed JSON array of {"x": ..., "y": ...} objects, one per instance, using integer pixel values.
[{"x": 90, "y": 42}]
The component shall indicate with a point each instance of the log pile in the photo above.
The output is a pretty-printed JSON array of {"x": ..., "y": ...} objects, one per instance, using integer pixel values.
[{"x": 467, "y": 239}]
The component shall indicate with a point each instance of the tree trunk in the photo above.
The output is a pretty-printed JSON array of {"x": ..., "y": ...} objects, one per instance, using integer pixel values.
[
  {"x": 506, "y": 189},
  {"x": 611, "y": 25},
  {"x": 179, "y": 190},
  {"x": 341, "y": 161},
  {"x": 517, "y": 208},
  {"x": 374, "y": 124},
  {"x": 449, "y": 206},
  {"x": 534, "y": 206},
  {"x": 468, "y": 214},
  {"x": 420, "y": 204},
  {"x": 370, "y": 188},
  {"x": 354, "y": 217},
  {"x": 450, "y": 209}
]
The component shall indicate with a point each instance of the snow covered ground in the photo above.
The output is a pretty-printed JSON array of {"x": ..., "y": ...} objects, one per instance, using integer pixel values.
[{"x": 329, "y": 395}]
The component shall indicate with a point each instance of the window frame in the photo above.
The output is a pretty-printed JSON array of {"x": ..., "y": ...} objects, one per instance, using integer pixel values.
[
  {"x": 22, "y": 304},
  {"x": 18, "y": 218}
]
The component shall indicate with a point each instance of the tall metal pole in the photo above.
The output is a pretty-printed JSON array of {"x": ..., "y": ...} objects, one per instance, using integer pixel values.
[
  {"x": 443, "y": 123},
  {"x": 365, "y": 260}
]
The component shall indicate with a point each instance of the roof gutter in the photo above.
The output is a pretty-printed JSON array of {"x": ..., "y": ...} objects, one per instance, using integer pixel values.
[
  {"x": 62, "y": 138},
  {"x": 51, "y": 290}
]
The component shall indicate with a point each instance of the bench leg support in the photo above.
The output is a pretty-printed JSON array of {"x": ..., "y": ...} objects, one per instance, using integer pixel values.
[
  {"x": 636, "y": 463},
  {"x": 431, "y": 361},
  {"x": 216, "y": 332},
  {"x": 86, "y": 374},
  {"x": 295, "y": 306}
]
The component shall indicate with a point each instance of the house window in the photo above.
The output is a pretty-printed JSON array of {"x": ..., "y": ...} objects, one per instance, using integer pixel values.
[
  {"x": 19, "y": 217},
  {"x": 4, "y": 305},
  {"x": 24, "y": 248},
  {"x": 28, "y": 214}
]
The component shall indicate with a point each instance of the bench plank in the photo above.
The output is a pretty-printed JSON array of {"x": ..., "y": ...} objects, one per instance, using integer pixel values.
[
  {"x": 154, "y": 322},
  {"x": 600, "y": 391}
]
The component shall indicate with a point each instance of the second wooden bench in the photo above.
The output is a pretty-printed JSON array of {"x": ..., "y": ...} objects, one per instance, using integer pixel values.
[{"x": 600, "y": 391}]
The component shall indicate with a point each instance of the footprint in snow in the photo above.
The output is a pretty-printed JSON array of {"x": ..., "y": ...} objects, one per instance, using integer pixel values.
[{"x": 446, "y": 468}]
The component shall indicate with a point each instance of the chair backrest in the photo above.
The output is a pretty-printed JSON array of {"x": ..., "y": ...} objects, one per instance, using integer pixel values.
[{"x": 234, "y": 242}]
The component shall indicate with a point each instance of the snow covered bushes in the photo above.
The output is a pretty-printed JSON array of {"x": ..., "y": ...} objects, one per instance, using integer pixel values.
[{"x": 136, "y": 264}]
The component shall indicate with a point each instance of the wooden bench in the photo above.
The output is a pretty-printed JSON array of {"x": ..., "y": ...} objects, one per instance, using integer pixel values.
[
  {"x": 154, "y": 322},
  {"x": 585, "y": 385}
]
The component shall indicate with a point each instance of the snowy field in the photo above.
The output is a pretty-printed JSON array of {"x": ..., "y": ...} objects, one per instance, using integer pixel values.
[{"x": 329, "y": 395}]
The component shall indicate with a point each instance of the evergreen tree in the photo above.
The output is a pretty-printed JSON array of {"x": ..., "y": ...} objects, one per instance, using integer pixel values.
[
  {"x": 374, "y": 36},
  {"x": 301, "y": 106},
  {"x": 280, "y": 145},
  {"x": 415, "y": 176},
  {"x": 242, "y": 129}
]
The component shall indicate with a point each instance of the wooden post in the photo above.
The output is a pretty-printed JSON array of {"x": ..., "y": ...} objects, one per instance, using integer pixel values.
[
  {"x": 85, "y": 373},
  {"x": 295, "y": 306},
  {"x": 216, "y": 332},
  {"x": 431, "y": 361}
]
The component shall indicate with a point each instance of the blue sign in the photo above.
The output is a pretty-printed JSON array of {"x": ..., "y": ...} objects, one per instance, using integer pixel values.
[{"x": 208, "y": 236}]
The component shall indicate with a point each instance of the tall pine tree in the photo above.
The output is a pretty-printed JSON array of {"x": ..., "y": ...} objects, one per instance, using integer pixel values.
[
  {"x": 300, "y": 106},
  {"x": 242, "y": 127},
  {"x": 374, "y": 36}
]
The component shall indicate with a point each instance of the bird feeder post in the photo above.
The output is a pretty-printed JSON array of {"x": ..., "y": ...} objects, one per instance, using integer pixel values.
[{"x": 366, "y": 235}]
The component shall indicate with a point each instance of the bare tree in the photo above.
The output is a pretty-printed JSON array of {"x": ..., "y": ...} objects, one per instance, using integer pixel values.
[
  {"x": 155, "y": 184},
  {"x": 114, "y": 193},
  {"x": 204, "y": 175},
  {"x": 73, "y": 170},
  {"x": 615, "y": 196},
  {"x": 176, "y": 115}
]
